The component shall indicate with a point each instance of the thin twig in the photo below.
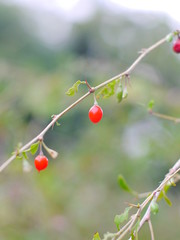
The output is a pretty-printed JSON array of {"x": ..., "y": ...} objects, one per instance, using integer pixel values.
[
  {"x": 150, "y": 199},
  {"x": 154, "y": 196},
  {"x": 166, "y": 117},
  {"x": 122, "y": 229},
  {"x": 54, "y": 120},
  {"x": 41, "y": 134},
  {"x": 151, "y": 229}
]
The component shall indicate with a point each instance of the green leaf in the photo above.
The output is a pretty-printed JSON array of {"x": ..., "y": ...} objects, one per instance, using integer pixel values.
[
  {"x": 119, "y": 93},
  {"x": 96, "y": 236},
  {"x": 169, "y": 37},
  {"x": 132, "y": 236},
  {"x": 74, "y": 89},
  {"x": 125, "y": 93},
  {"x": 154, "y": 207},
  {"x": 25, "y": 155},
  {"x": 123, "y": 184},
  {"x": 168, "y": 201},
  {"x": 34, "y": 148},
  {"x": 19, "y": 157},
  {"x": 167, "y": 186},
  {"x": 165, "y": 190},
  {"x": 57, "y": 123},
  {"x": 150, "y": 105},
  {"x": 121, "y": 218},
  {"x": 161, "y": 195},
  {"x": 108, "y": 90}
]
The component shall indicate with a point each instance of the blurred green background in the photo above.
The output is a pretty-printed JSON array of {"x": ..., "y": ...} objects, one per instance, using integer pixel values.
[{"x": 41, "y": 56}]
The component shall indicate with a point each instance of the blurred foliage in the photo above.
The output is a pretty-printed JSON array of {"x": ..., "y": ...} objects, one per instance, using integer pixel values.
[{"x": 78, "y": 194}]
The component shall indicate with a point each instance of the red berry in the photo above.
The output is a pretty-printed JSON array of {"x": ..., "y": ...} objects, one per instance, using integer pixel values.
[
  {"x": 95, "y": 113},
  {"x": 41, "y": 162},
  {"x": 176, "y": 46}
]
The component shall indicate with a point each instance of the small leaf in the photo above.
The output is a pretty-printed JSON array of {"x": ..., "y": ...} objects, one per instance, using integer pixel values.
[
  {"x": 108, "y": 90},
  {"x": 74, "y": 89},
  {"x": 25, "y": 155},
  {"x": 57, "y": 123},
  {"x": 150, "y": 105},
  {"x": 164, "y": 191},
  {"x": 123, "y": 184},
  {"x": 132, "y": 236},
  {"x": 168, "y": 201},
  {"x": 96, "y": 236},
  {"x": 34, "y": 148},
  {"x": 125, "y": 93},
  {"x": 50, "y": 151},
  {"x": 119, "y": 93},
  {"x": 26, "y": 166},
  {"x": 161, "y": 195},
  {"x": 169, "y": 184},
  {"x": 169, "y": 37},
  {"x": 154, "y": 207},
  {"x": 121, "y": 218},
  {"x": 19, "y": 157}
]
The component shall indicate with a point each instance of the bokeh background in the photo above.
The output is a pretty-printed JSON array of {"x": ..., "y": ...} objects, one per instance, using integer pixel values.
[{"x": 44, "y": 49}]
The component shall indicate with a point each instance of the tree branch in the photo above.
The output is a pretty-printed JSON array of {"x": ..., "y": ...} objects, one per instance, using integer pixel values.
[
  {"x": 151, "y": 199},
  {"x": 56, "y": 117}
]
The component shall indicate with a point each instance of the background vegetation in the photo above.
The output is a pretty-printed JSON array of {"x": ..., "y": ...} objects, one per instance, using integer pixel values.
[{"x": 78, "y": 194}]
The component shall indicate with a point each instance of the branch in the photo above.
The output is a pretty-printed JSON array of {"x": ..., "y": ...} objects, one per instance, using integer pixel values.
[
  {"x": 154, "y": 196},
  {"x": 56, "y": 117},
  {"x": 166, "y": 117},
  {"x": 151, "y": 199}
]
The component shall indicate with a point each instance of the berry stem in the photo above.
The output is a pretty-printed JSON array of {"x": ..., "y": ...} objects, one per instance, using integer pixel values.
[
  {"x": 95, "y": 100},
  {"x": 40, "y": 148}
]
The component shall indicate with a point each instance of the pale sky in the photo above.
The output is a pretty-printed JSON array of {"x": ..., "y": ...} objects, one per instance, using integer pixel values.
[
  {"x": 170, "y": 7},
  {"x": 47, "y": 12}
]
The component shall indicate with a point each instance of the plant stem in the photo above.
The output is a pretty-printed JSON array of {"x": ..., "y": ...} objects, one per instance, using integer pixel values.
[
  {"x": 151, "y": 229},
  {"x": 166, "y": 117}
]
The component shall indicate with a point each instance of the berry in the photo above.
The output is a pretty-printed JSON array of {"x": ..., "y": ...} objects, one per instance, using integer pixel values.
[
  {"x": 95, "y": 113},
  {"x": 176, "y": 46},
  {"x": 41, "y": 162}
]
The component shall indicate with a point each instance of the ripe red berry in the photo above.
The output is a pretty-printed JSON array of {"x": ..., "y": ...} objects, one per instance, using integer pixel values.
[
  {"x": 95, "y": 113},
  {"x": 41, "y": 162},
  {"x": 176, "y": 46}
]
